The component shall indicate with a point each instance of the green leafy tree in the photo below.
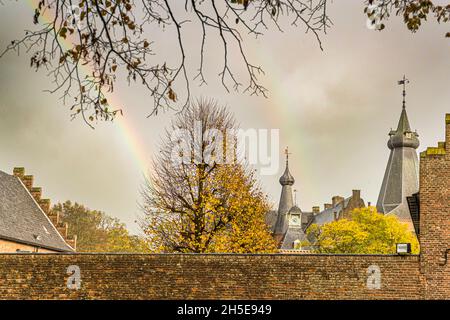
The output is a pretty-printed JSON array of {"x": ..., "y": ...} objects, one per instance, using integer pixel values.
[
  {"x": 96, "y": 231},
  {"x": 365, "y": 232}
]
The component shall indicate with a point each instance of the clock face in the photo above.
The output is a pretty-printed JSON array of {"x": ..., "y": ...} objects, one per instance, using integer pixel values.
[{"x": 295, "y": 220}]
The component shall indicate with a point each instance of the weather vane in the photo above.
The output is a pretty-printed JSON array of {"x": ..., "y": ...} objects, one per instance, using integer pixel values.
[{"x": 404, "y": 82}]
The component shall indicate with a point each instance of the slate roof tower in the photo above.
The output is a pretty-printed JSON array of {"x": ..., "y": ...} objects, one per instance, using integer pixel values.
[
  {"x": 401, "y": 178},
  {"x": 286, "y": 200}
]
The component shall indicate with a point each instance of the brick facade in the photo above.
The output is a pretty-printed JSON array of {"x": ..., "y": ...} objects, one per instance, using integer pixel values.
[
  {"x": 278, "y": 276},
  {"x": 435, "y": 217},
  {"x": 213, "y": 276}
]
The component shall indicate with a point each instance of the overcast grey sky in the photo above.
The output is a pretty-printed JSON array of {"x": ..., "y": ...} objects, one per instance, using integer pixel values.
[{"x": 334, "y": 110}]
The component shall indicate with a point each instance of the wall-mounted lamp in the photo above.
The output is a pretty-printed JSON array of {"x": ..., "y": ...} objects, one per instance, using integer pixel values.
[{"x": 403, "y": 248}]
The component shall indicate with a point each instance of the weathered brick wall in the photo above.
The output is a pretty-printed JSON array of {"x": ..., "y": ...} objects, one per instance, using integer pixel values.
[
  {"x": 209, "y": 277},
  {"x": 127, "y": 276},
  {"x": 435, "y": 217}
]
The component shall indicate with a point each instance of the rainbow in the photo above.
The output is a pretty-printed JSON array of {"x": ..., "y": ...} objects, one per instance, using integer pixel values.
[{"x": 125, "y": 125}]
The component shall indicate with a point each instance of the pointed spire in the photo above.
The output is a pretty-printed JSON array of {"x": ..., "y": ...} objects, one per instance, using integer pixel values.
[
  {"x": 403, "y": 123},
  {"x": 287, "y": 178},
  {"x": 403, "y": 136}
]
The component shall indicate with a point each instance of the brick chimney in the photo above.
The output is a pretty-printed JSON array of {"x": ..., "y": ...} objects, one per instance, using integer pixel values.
[
  {"x": 327, "y": 206},
  {"x": 36, "y": 193},
  {"x": 316, "y": 209},
  {"x": 356, "y": 194},
  {"x": 336, "y": 199}
]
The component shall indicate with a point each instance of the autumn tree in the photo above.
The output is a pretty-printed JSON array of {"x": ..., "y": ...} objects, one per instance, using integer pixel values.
[
  {"x": 117, "y": 39},
  {"x": 199, "y": 196},
  {"x": 365, "y": 232},
  {"x": 96, "y": 231}
]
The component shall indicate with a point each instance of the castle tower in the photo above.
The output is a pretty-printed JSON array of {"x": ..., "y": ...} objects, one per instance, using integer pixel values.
[
  {"x": 401, "y": 178},
  {"x": 286, "y": 201}
]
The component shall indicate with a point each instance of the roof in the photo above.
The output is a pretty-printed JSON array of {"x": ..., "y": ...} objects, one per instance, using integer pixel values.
[
  {"x": 293, "y": 234},
  {"x": 403, "y": 123},
  {"x": 328, "y": 215},
  {"x": 287, "y": 178},
  {"x": 414, "y": 209},
  {"x": 271, "y": 219},
  {"x": 22, "y": 219},
  {"x": 401, "y": 177},
  {"x": 295, "y": 210}
]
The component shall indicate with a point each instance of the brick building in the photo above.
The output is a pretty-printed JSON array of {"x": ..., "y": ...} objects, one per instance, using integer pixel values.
[
  {"x": 398, "y": 193},
  {"x": 289, "y": 223},
  {"x": 26, "y": 223}
]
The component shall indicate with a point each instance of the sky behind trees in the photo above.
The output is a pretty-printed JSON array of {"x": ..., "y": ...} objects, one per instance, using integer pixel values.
[{"x": 334, "y": 110}]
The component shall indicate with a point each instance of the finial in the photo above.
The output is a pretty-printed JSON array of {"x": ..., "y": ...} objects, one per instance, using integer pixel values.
[
  {"x": 287, "y": 153},
  {"x": 287, "y": 178},
  {"x": 404, "y": 82}
]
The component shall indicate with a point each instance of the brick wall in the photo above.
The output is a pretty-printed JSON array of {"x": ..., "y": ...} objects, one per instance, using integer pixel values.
[
  {"x": 210, "y": 276},
  {"x": 435, "y": 217},
  {"x": 280, "y": 276}
]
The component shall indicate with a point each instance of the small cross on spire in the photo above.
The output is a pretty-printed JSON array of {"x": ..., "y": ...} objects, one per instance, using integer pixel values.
[{"x": 404, "y": 82}]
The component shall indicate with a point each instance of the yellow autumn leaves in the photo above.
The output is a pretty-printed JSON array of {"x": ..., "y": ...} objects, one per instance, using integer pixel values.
[
  {"x": 365, "y": 232},
  {"x": 202, "y": 205}
]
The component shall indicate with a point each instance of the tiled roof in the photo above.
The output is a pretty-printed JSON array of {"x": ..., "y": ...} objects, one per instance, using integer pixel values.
[
  {"x": 22, "y": 220},
  {"x": 271, "y": 219}
]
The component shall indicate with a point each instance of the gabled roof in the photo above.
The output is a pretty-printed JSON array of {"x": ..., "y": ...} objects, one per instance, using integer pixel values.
[{"x": 22, "y": 219}]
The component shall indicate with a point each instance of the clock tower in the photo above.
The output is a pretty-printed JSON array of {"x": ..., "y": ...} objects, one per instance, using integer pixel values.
[{"x": 295, "y": 217}]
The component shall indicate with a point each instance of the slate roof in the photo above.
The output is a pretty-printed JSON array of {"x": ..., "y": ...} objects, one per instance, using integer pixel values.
[
  {"x": 401, "y": 178},
  {"x": 22, "y": 220},
  {"x": 327, "y": 215},
  {"x": 271, "y": 219},
  {"x": 292, "y": 234}
]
